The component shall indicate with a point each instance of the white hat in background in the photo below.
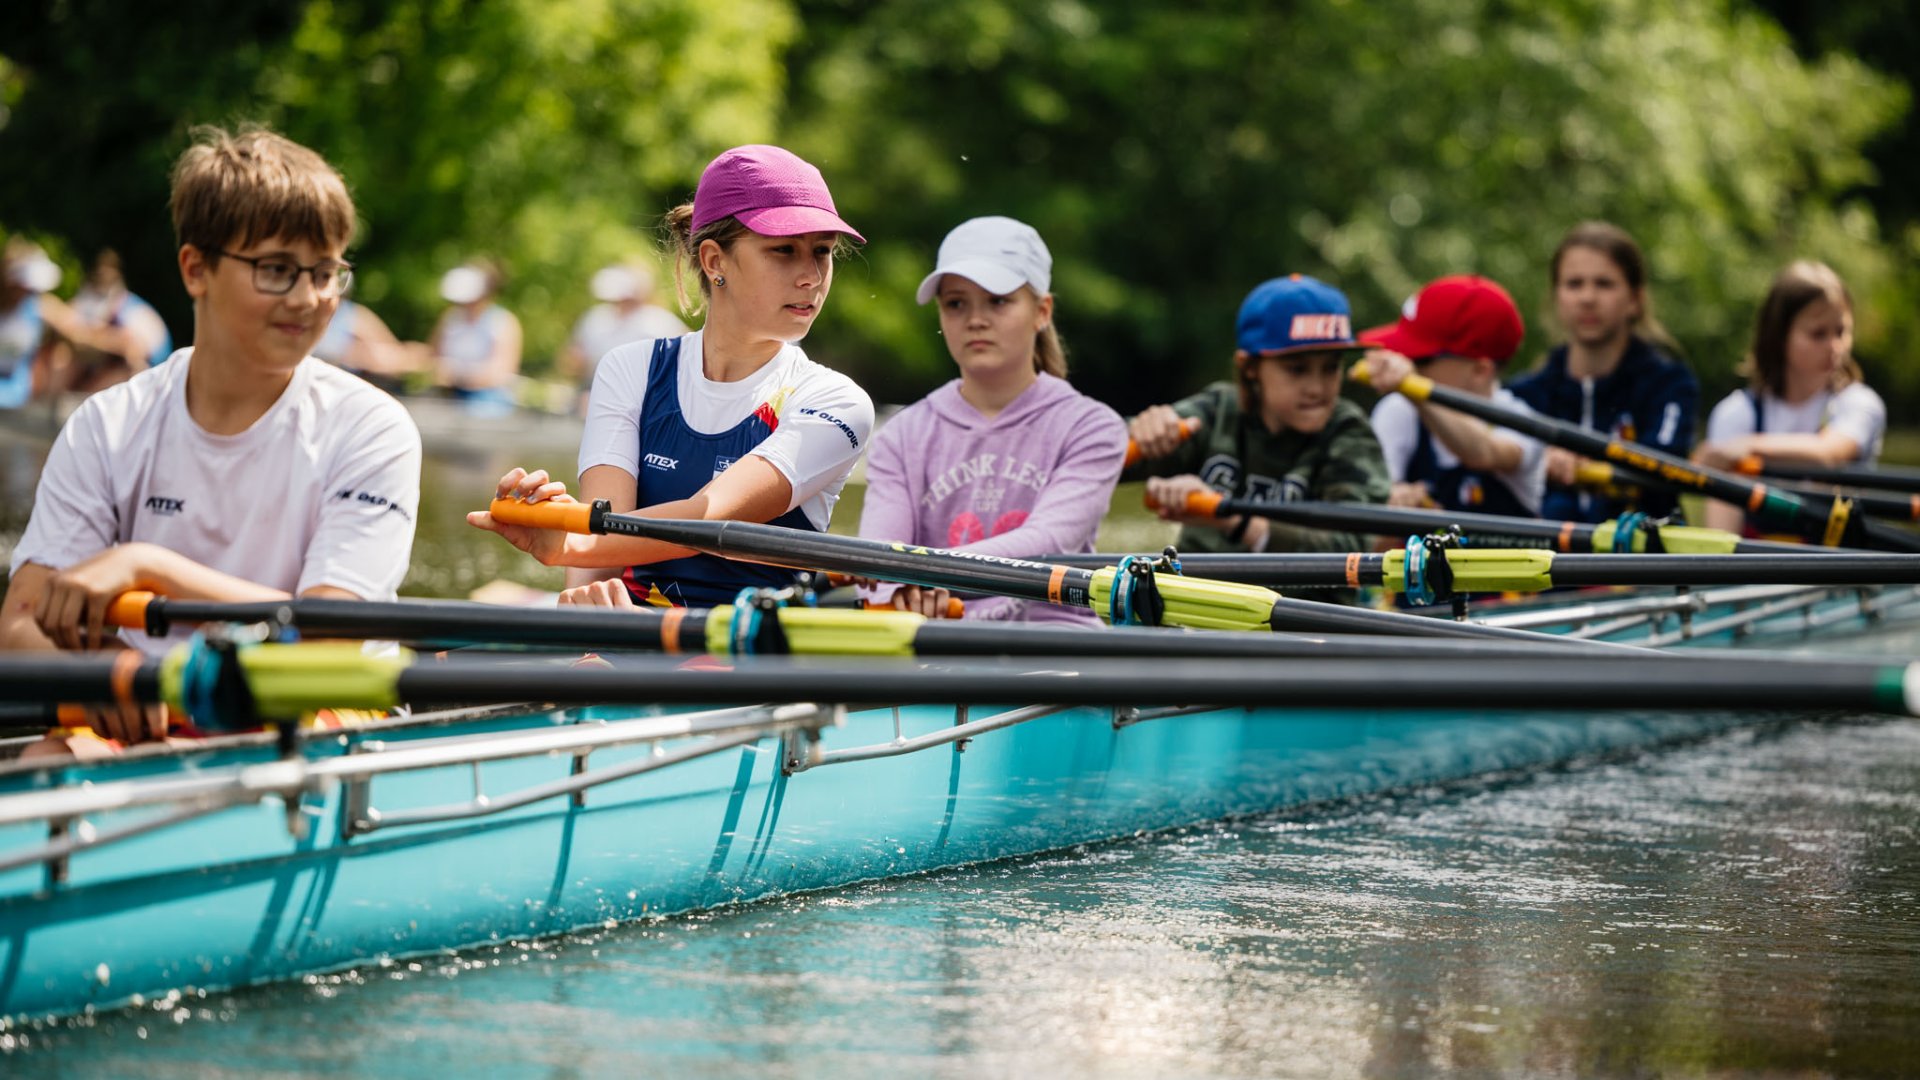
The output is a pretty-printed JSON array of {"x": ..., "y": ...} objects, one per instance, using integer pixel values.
[
  {"x": 35, "y": 273},
  {"x": 463, "y": 285},
  {"x": 998, "y": 254},
  {"x": 618, "y": 282}
]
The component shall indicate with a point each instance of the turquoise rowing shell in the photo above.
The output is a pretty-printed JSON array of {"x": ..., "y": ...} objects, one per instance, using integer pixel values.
[
  {"x": 232, "y": 899},
  {"x": 235, "y": 897}
]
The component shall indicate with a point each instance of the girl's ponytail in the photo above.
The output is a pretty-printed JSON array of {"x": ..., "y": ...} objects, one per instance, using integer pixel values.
[{"x": 684, "y": 245}]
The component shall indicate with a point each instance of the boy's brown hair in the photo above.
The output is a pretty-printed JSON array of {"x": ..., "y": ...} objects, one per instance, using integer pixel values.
[{"x": 232, "y": 190}]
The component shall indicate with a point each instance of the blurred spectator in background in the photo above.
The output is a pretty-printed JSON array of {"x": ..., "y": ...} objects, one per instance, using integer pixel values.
[
  {"x": 115, "y": 334},
  {"x": 359, "y": 341},
  {"x": 626, "y": 313},
  {"x": 26, "y": 275},
  {"x": 476, "y": 344}
]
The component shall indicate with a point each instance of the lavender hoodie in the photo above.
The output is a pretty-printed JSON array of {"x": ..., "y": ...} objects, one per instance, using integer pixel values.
[{"x": 1032, "y": 480}]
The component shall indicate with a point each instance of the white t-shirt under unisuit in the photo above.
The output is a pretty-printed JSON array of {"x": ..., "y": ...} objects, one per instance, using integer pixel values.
[
  {"x": 1396, "y": 421},
  {"x": 1856, "y": 412},
  {"x": 321, "y": 490},
  {"x": 824, "y": 417}
]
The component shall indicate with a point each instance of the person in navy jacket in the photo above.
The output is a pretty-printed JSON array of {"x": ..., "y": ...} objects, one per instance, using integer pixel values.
[{"x": 1614, "y": 374}]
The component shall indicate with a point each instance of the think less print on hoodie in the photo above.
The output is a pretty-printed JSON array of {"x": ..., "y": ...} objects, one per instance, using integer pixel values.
[{"x": 1031, "y": 481}]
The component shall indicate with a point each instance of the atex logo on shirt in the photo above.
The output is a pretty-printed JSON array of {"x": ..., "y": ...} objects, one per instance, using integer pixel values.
[
  {"x": 164, "y": 506},
  {"x": 662, "y": 462}
]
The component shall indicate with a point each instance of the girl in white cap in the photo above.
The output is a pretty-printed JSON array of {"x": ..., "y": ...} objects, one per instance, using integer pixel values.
[
  {"x": 1008, "y": 459},
  {"x": 476, "y": 345},
  {"x": 730, "y": 422}
]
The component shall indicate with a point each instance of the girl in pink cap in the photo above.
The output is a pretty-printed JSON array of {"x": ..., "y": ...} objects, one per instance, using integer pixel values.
[
  {"x": 1008, "y": 459},
  {"x": 729, "y": 422}
]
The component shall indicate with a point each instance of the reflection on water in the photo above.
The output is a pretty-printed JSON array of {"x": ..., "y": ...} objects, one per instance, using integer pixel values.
[{"x": 1744, "y": 904}]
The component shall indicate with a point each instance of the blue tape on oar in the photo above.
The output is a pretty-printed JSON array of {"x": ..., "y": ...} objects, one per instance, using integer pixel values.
[
  {"x": 1625, "y": 529},
  {"x": 1419, "y": 588},
  {"x": 1120, "y": 602}
]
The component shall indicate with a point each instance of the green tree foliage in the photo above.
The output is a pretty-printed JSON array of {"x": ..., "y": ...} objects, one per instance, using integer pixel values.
[
  {"x": 549, "y": 136},
  {"x": 1173, "y": 157}
]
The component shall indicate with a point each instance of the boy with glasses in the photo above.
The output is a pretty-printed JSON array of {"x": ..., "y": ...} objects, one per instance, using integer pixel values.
[{"x": 243, "y": 469}]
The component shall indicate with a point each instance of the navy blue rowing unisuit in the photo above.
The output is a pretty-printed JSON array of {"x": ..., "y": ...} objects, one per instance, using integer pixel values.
[
  {"x": 1460, "y": 488},
  {"x": 1649, "y": 399},
  {"x": 675, "y": 463}
]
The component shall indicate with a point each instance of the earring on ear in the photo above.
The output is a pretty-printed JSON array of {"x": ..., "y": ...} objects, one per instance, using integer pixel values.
[{"x": 719, "y": 281}]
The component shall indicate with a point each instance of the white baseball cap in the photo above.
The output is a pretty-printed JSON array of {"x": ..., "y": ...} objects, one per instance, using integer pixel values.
[
  {"x": 36, "y": 273},
  {"x": 998, "y": 254},
  {"x": 463, "y": 285},
  {"x": 615, "y": 283}
]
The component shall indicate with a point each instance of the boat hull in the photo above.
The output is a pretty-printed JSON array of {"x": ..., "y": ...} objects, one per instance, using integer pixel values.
[
  {"x": 452, "y": 854},
  {"x": 232, "y": 899}
]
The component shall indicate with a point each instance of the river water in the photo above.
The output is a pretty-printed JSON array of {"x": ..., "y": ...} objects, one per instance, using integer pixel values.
[{"x": 1745, "y": 905}]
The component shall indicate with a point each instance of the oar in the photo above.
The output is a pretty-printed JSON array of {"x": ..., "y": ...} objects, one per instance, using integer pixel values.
[
  {"x": 1881, "y": 477},
  {"x": 804, "y": 630},
  {"x": 1878, "y": 504},
  {"x": 1191, "y": 602},
  {"x": 1493, "y": 530},
  {"x": 1833, "y": 524},
  {"x": 277, "y": 681},
  {"x": 1188, "y": 426},
  {"x": 1527, "y": 570}
]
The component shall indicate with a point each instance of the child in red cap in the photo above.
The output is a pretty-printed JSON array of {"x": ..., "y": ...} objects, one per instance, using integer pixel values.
[
  {"x": 729, "y": 422},
  {"x": 1458, "y": 331}
]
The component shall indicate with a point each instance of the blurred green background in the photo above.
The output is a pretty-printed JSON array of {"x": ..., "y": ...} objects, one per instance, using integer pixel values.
[{"x": 1173, "y": 156}]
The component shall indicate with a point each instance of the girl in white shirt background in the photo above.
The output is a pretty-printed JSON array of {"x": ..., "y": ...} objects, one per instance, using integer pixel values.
[{"x": 1808, "y": 401}]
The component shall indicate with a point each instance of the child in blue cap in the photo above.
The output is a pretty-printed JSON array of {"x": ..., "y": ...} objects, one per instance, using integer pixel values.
[{"x": 1280, "y": 432}]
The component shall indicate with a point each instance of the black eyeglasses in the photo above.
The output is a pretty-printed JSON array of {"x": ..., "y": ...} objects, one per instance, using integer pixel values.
[{"x": 276, "y": 275}]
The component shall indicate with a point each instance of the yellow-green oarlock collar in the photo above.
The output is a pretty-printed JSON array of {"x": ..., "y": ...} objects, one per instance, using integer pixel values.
[
  {"x": 288, "y": 680},
  {"x": 828, "y": 631}
]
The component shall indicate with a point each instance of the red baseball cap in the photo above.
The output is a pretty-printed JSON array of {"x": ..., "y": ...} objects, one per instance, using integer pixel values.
[{"x": 1463, "y": 315}]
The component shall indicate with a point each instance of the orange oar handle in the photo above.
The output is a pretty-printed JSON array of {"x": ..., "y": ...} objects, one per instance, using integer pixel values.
[
  {"x": 1188, "y": 426},
  {"x": 129, "y": 610},
  {"x": 1751, "y": 465},
  {"x": 955, "y": 608},
  {"x": 573, "y": 517},
  {"x": 1199, "y": 503}
]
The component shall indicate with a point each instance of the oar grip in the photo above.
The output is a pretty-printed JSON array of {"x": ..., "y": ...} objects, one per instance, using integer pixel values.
[
  {"x": 1751, "y": 465},
  {"x": 1199, "y": 503},
  {"x": 129, "y": 610},
  {"x": 1415, "y": 387},
  {"x": 573, "y": 517},
  {"x": 955, "y": 606},
  {"x": 1188, "y": 426},
  {"x": 1593, "y": 474}
]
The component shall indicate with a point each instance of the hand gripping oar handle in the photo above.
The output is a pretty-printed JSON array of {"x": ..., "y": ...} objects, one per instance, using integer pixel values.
[
  {"x": 1199, "y": 503},
  {"x": 573, "y": 517},
  {"x": 587, "y": 519},
  {"x": 1188, "y": 427},
  {"x": 1834, "y": 524}
]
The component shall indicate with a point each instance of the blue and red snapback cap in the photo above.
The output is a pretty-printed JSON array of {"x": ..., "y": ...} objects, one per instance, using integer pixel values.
[{"x": 1295, "y": 313}]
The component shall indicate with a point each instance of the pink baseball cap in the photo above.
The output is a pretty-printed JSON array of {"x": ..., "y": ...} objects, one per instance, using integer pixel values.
[{"x": 770, "y": 190}]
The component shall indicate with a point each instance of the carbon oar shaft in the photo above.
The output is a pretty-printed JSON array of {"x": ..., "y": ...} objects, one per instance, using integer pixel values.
[
  {"x": 441, "y": 623},
  {"x": 1832, "y": 524},
  {"x": 1881, "y": 477},
  {"x": 1512, "y": 571},
  {"x": 341, "y": 678},
  {"x": 1195, "y": 602},
  {"x": 1878, "y": 504},
  {"x": 1492, "y": 530}
]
